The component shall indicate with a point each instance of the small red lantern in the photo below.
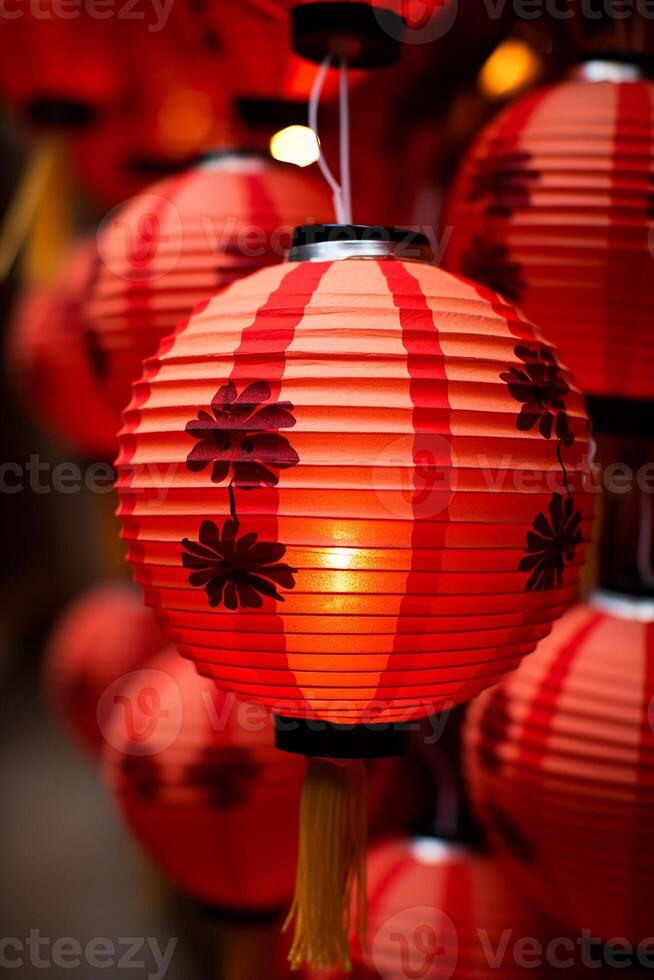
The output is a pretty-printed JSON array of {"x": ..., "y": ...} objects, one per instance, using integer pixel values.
[
  {"x": 560, "y": 758},
  {"x": 438, "y": 910},
  {"x": 54, "y": 363},
  {"x": 183, "y": 240},
  {"x": 206, "y": 792},
  {"x": 553, "y": 208},
  {"x": 104, "y": 634},
  {"x": 344, "y": 531},
  {"x": 37, "y": 53}
]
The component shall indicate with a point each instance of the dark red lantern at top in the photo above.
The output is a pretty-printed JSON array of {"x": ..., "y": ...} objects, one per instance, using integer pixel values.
[
  {"x": 180, "y": 242},
  {"x": 323, "y": 492},
  {"x": 553, "y": 208}
]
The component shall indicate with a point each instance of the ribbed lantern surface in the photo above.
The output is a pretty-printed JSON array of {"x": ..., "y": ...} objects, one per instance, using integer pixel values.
[
  {"x": 355, "y": 488},
  {"x": 183, "y": 240},
  {"x": 438, "y": 910},
  {"x": 553, "y": 208},
  {"x": 560, "y": 759},
  {"x": 101, "y": 636},
  {"x": 53, "y": 361}
]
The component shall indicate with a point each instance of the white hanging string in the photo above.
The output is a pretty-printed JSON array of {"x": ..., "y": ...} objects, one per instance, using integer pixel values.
[{"x": 341, "y": 194}]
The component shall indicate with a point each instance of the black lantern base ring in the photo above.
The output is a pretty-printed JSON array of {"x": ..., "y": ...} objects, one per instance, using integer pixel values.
[
  {"x": 365, "y": 35},
  {"x": 327, "y": 740}
]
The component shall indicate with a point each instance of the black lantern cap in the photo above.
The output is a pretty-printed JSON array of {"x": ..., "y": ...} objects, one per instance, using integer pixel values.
[
  {"x": 366, "y": 35},
  {"x": 327, "y": 242},
  {"x": 61, "y": 113},
  {"x": 327, "y": 740}
]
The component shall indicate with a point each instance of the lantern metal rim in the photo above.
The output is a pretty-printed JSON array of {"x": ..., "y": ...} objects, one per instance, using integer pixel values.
[
  {"x": 348, "y": 740},
  {"x": 610, "y": 67},
  {"x": 622, "y": 606},
  {"x": 330, "y": 243}
]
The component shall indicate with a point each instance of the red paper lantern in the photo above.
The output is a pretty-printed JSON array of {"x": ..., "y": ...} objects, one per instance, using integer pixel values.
[
  {"x": 553, "y": 208},
  {"x": 560, "y": 759},
  {"x": 37, "y": 53},
  {"x": 323, "y": 490},
  {"x": 104, "y": 634},
  {"x": 54, "y": 363},
  {"x": 438, "y": 910},
  {"x": 183, "y": 240},
  {"x": 205, "y": 791}
]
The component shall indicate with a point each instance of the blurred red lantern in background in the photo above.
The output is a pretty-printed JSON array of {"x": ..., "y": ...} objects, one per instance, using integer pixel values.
[
  {"x": 207, "y": 794},
  {"x": 553, "y": 208},
  {"x": 560, "y": 759},
  {"x": 328, "y": 537},
  {"x": 438, "y": 910},
  {"x": 53, "y": 362},
  {"x": 37, "y": 52},
  {"x": 104, "y": 634},
  {"x": 183, "y": 240}
]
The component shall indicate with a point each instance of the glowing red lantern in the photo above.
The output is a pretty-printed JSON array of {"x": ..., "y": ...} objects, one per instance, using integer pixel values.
[
  {"x": 553, "y": 208},
  {"x": 54, "y": 362},
  {"x": 343, "y": 533},
  {"x": 560, "y": 759},
  {"x": 104, "y": 634},
  {"x": 439, "y": 910},
  {"x": 182, "y": 241}
]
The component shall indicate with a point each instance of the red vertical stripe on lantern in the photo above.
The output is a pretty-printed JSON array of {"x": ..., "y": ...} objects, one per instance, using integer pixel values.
[
  {"x": 642, "y": 835},
  {"x": 630, "y": 261},
  {"x": 274, "y": 325},
  {"x": 538, "y": 721},
  {"x": 429, "y": 396}
]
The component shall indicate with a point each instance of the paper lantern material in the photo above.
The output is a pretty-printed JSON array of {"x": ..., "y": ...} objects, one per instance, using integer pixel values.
[
  {"x": 560, "y": 757},
  {"x": 553, "y": 208},
  {"x": 103, "y": 635},
  {"x": 206, "y": 793},
  {"x": 182, "y": 241},
  {"x": 438, "y": 910},
  {"x": 329, "y": 542},
  {"x": 54, "y": 364}
]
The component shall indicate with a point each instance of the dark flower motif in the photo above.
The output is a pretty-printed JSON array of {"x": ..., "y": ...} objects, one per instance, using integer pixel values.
[
  {"x": 140, "y": 773},
  {"x": 551, "y": 544},
  {"x": 226, "y": 776},
  {"x": 238, "y": 436},
  {"x": 236, "y": 571},
  {"x": 511, "y": 835},
  {"x": 504, "y": 180},
  {"x": 541, "y": 388},
  {"x": 488, "y": 263}
]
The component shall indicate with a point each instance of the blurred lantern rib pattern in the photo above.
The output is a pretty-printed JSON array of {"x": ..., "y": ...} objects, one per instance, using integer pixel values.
[
  {"x": 553, "y": 208},
  {"x": 183, "y": 240},
  {"x": 105, "y": 633},
  {"x": 559, "y": 758},
  {"x": 438, "y": 910},
  {"x": 207, "y": 794},
  {"x": 344, "y": 526},
  {"x": 54, "y": 363}
]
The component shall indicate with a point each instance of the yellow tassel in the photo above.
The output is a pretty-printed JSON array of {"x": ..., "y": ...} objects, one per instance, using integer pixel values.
[{"x": 330, "y": 888}]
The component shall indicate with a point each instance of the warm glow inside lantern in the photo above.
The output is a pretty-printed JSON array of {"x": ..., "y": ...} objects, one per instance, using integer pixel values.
[
  {"x": 353, "y": 488},
  {"x": 560, "y": 757},
  {"x": 553, "y": 208}
]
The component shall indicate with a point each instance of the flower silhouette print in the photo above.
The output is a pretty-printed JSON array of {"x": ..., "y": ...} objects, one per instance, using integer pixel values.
[
  {"x": 239, "y": 436},
  {"x": 503, "y": 180},
  {"x": 140, "y": 772},
  {"x": 237, "y": 572},
  {"x": 225, "y": 776},
  {"x": 541, "y": 388},
  {"x": 551, "y": 544},
  {"x": 488, "y": 263}
]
